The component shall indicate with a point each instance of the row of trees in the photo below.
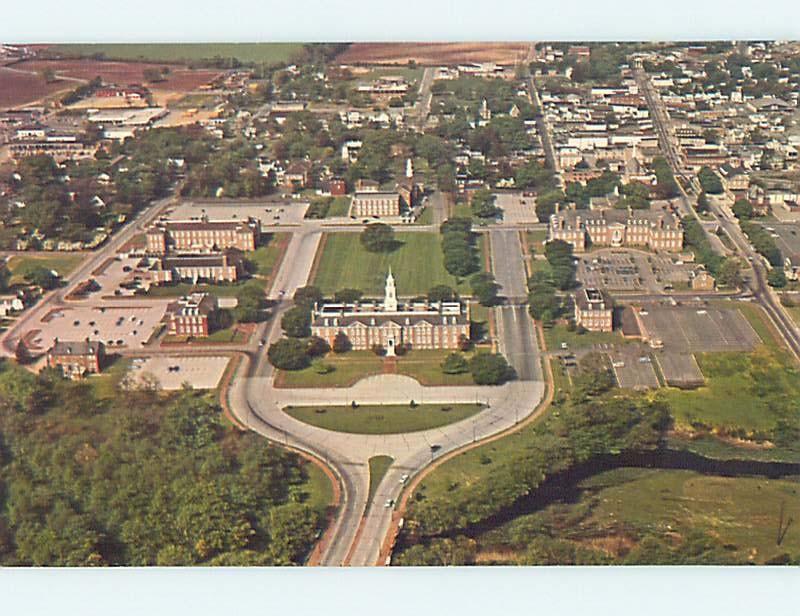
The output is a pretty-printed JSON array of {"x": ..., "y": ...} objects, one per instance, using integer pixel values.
[{"x": 458, "y": 246}]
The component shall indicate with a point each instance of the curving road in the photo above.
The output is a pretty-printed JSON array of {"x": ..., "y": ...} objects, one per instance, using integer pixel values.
[{"x": 361, "y": 526}]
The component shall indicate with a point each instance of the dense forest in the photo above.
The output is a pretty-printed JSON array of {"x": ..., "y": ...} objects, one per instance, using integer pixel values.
[{"x": 92, "y": 477}]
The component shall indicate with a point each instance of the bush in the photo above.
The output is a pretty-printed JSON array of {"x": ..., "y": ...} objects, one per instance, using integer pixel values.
[
  {"x": 317, "y": 347},
  {"x": 288, "y": 354},
  {"x": 490, "y": 369},
  {"x": 455, "y": 364},
  {"x": 378, "y": 350},
  {"x": 341, "y": 343}
]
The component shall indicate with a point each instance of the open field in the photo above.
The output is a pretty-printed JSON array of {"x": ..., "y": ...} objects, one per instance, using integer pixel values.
[
  {"x": 751, "y": 391},
  {"x": 613, "y": 511},
  {"x": 383, "y": 419},
  {"x": 378, "y": 465},
  {"x": 124, "y": 73},
  {"x": 417, "y": 265},
  {"x": 63, "y": 263},
  {"x": 186, "y": 52},
  {"x": 19, "y": 88},
  {"x": 434, "y": 53}
]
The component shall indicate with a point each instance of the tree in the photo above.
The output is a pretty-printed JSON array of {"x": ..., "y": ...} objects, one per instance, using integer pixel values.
[
  {"x": 307, "y": 296},
  {"x": 709, "y": 181},
  {"x": 5, "y": 276},
  {"x": 153, "y": 75},
  {"x": 341, "y": 343},
  {"x": 730, "y": 272},
  {"x": 490, "y": 369},
  {"x": 546, "y": 204},
  {"x": 296, "y": 322},
  {"x": 559, "y": 256},
  {"x": 250, "y": 304},
  {"x": 743, "y": 209},
  {"x": 317, "y": 347},
  {"x": 702, "y": 202},
  {"x": 482, "y": 204},
  {"x": 441, "y": 293},
  {"x": 776, "y": 278},
  {"x": 455, "y": 364},
  {"x": 221, "y": 318},
  {"x": 378, "y": 237},
  {"x": 288, "y": 354},
  {"x": 485, "y": 288},
  {"x": 348, "y": 296},
  {"x": 42, "y": 277},
  {"x": 22, "y": 354}
]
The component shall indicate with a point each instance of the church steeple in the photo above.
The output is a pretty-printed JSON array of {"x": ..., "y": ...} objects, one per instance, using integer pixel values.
[{"x": 390, "y": 296}]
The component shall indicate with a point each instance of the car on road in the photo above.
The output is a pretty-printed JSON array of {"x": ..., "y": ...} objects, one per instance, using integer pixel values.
[
  {"x": 389, "y": 503},
  {"x": 403, "y": 478}
]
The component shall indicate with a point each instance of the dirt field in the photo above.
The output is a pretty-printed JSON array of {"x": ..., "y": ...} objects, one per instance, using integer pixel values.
[
  {"x": 19, "y": 88},
  {"x": 435, "y": 53},
  {"x": 124, "y": 73}
]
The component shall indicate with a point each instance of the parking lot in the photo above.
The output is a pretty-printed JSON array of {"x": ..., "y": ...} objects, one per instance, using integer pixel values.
[
  {"x": 686, "y": 329},
  {"x": 119, "y": 326},
  {"x": 679, "y": 369},
  {"x": 633, "y": 271},
  {"x": 516, "y": 208},
  {"x": 633, "y": 368},
  {"x": 172, "y": 372},
  {"x": 270, "y": 213},
  {"x": 787, "y": 238}
]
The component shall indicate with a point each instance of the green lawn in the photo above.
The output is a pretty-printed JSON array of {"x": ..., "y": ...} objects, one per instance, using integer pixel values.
[
  {"x": 426, "y": 217},
  {"x": 378, "y": 465},
  {"x": 423, "y": 365},
  {"x": 317, "y": 490},
  {"x": 557, "y": 334},
  {"x": 616, "y": 509},
  {"x": 384, "y": 418},
  {"x": 417, "y": 265},
  {"x": 265, "y": 256},
  {"x": 181, "y": 52},
  {"x": 63, "y": 263},
  {"x": 347, "y": 369},
  {"x": 339, "y": 207},
  {"x": 536, "y": 239},
  {"x": 220, "y": 290}
]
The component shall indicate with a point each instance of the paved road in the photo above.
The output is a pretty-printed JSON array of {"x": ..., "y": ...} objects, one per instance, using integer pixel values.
[
  {"x": 425, "y": 98},
  {"x": 758, "y": 282},
  {"x": 507, "y": 263},
  {"x": 83, "y": 272}
]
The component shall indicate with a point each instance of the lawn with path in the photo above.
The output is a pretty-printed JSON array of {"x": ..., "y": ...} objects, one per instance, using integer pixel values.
[{"x": 383, "y": 418}]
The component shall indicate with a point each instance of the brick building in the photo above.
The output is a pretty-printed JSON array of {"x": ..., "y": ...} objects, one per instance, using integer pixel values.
[
  {"x": 76, "y": 358},
  {"x": 375, "y": 203},
  {"x": 391, "y": 323},
  {"x": 225, "y": 267},
  {"x": 594, "y": 310},
  {"x": 203, "y": 235},
  {"x": 191, "y": 315},
  {"x": 657, "y": 228}
]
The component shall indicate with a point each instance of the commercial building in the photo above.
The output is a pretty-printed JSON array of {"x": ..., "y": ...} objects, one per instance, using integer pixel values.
[
  {"x": 392, "y": 323},
  {"x": 594, "y": 310},
  {"x": 76, "y": 358},
  {"x": 203, "y": 235},
  {"x": 190, "y": 315}
]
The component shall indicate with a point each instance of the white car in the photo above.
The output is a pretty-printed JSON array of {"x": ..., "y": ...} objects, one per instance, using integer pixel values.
[
  {"x": 389, "y": 503},
  {"x": 403, "y": 478}
]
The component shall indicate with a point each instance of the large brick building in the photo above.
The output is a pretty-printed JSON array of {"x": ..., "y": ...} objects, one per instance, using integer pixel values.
[
  {"x": 391, "y": 323},
  {"x": 594, "y": 310},
  {"x": 76, "y": 358},
  {"x": 191, "y": 315},
  {"x": 375, "y": 204},
  {"x": 657, "y": 228},
  {"x": 203, "y": 235},
  {"x": 223, "y": 267}
]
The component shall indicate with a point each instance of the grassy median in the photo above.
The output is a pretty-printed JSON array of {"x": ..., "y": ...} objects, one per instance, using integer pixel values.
[{"x": 384, "y": 418}]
